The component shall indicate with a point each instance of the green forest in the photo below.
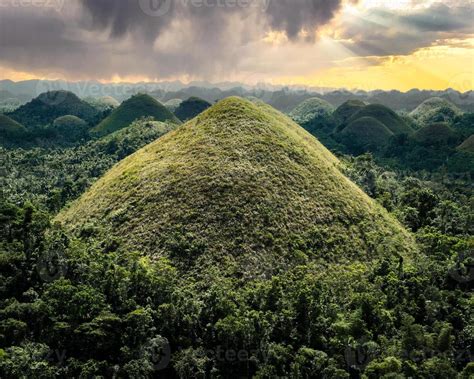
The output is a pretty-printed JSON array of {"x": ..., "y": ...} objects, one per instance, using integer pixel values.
[{"x": 231, "y": 240}]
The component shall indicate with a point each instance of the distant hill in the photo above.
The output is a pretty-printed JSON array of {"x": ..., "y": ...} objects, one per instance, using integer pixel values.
[
  {"x": 383, "y": 115},
  {"x": 137, "y": 106},
  {"x": 346, "y": 110},
  {"x": 102, "y": 103},
  {"x": 10, "y": 129},
  {"x": 173, "y": 104},
  {"x": 48, "y": 106},
  {"x": 436, "y": 110},
  {"x": 467, "y": 145},
  {"x": 190, "y": 108},
  {"x": 365, "y": 134},
  {"x": 70, "y": 128},
  {"x": 436, "y": 134},
  {"x": 311, "y": 109},
  {"x": 241, "y": 189}
]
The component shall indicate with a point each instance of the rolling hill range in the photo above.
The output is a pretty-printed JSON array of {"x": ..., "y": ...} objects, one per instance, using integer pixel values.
[
  {"x": 136, "y": 107},
  {"x": 385, "y": 116},
  {"x": 190, "y": 108},
  {"x": 48, "y": 106},
  {"x": 241, "y": 187}
]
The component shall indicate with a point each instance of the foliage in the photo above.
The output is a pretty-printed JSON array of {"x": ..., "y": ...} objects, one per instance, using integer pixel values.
[
  {"x": 136, "y": 107},
  {"x": 190, "y": 108},
  {"x": 93, "y": 305}
]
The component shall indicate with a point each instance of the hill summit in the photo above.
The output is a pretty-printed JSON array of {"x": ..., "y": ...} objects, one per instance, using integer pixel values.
[
  {"x": 311, "y": 109},
  {"x": 138, "y": 106},
  {"x": 241, "y": 187},
  {"x": 48, "y": 106}
]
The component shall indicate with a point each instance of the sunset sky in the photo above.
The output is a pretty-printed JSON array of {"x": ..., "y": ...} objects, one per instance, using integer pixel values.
[{"x": 366, "y": 44}]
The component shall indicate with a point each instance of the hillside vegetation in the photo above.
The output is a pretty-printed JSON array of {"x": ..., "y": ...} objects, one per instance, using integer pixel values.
[
  {"x": 346, "y": 110},
  {"x": 311, "y": 109},
  {"x": 385, "y": 116},
  {"x": 365, "y": 134},
  {"x": 190, "y": 108},
  {"x": 10, "y": 129},
  {"x": 137, "y": 106},
  {"x": 436, "y": 134},
  {"x": 240, "y": 184},
  {"x": 435, "y": 110},
  {"x": 467, "y": 145},
  {"x": 48, "y": 106},
  {"x": 233, "y": 247}
]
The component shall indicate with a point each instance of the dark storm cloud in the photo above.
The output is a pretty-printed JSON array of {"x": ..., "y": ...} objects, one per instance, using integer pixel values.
[
  {"x": 292, "y": 16},
  {"x": 390, "y": 32},
  {"x": 106, "y": 37},
  {"x": 289, "y": 16},
  {"x": 197, "y": 38}
]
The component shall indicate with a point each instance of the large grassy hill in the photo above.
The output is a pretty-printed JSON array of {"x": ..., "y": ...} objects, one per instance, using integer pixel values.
[
  {"x": 240, "y": 188},
  {"x": 366, "y": 133},
  {"x": 384, "y": 115},
  {"x": 136, "y": 107},
  {"x": 48, "y": 106},
  {"x": 346, "y": 110},
  {"x": 434, "y": 110},
  {"x": 311, "y": 109},
  {"x": 436, "y": 134},
  {"x": 10, "y": 128},
  {"x": 190, "y": 108}
]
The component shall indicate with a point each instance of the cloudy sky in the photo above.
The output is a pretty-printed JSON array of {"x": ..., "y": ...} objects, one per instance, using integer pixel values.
[{"x": 367, "y": 44}]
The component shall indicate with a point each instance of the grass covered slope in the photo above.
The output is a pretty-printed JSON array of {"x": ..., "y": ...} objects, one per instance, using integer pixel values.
[
  {"x": 436, "y": 109},
  {"x": 240, "y": 187},
  {"x": 10, "y": 128},
  {"x": 435, "y": 134},
  {"x": 48, "y": 106},
  {"x": 366, "y": 133},
  {"x": 384, "y": 115},
  {"x": 467, "y": 145},
  {"x": 311, "y": 109},
  {"x": 190, "y": 108},
  {"x": 346, "y": 110},
  {"x": 136, "y": 107}
]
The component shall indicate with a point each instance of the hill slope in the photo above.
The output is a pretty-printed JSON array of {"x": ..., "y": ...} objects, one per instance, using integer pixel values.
[
  {"x": 467, "y": 145},
  {"x": 190, "y": 108},
  {"x": 366, "y": 133},
  {"x": 384, "y": 115},
  {"x": 311, "y": 109},
  {"x": 435, "y": 134},
  {"x": 10, "y": 128},
  {"x": 137, "y": 106},
  {"x": 49, "y": 106},
  {"x": 346, "y": 110},
  {"x": 240, "y": 187},
  {"x": 434, "y": 110}
]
